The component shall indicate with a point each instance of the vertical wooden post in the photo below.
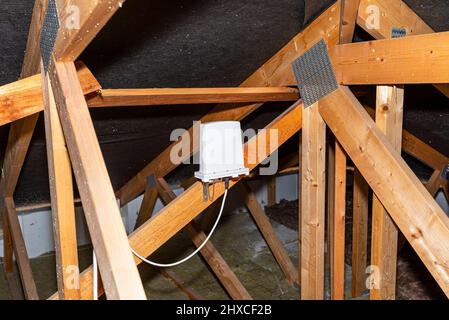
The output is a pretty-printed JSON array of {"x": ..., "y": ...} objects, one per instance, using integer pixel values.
[
  {"x": 337, "y": 236},
  {"x": 359, "y": 234},
  {"x": 62, "y": 200},
  {"x": 389, "y": 118},
  {"x": 312, "y": 204},
  {"x": 271, "y": 191}
]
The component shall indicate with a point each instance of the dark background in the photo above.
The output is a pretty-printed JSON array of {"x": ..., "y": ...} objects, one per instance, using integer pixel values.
[{"x": 187, "y": 44}]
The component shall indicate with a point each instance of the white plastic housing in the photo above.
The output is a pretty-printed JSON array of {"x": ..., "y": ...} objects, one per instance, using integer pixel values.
[{"x": 221, "y": 151}]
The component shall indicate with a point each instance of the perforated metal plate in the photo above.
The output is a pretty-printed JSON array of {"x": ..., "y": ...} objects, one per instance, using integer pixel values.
[
  {"x": 398, "y": 32},
  {"x": 50, "y": 30},
  {"x": 314, "y": 74}
]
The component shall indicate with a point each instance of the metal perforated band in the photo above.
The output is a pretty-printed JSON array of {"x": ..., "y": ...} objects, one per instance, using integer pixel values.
[
  {"x": 398, "y": 32},
  {"x": 50, "y": 30},
  {"x": 314, "y": 74}
]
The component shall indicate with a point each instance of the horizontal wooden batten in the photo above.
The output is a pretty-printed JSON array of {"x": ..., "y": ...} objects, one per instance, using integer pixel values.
[
  {"x": 23, "y": 98},
  {"x": 176, "y": 96},
  {"x": 409, "y": 60}
]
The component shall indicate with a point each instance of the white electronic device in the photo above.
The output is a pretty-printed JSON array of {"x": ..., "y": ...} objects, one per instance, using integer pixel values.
[{"x": 221, "y": 151}]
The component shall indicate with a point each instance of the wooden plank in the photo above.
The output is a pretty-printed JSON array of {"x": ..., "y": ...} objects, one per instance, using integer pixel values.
[
  {"x": 23, "y": 98},
  {"x": 32, "y": 59},
  {"x": 8, "y": 250},
  {"x": 359, "y": 235},
  {"x": 210, "y": 254},
  {"x": 146, "y": 208},
  {"x": 271, "y": 191},
  {"x": 275, "y": 72},
  {"x": 392, "y": 14},
  {"x": 412, "y": 208},
  {"x": 180, "y": 96},
  {"x": 115, "y": 260},
  {"x": 384, "y": 239},
  {"x": 413, "y": 59},
  {"x": 313, "y": 204},
  {"x": 20, "y": 251},
  {"x": 191, "y": 294},
  {"x": 270, "y": 236},
  {"x": 74, "y": 36},
  {"x": 349, "y": 14},
  {"x": 62, "y": 199},
  {"x": 337, "y": 224},
  {"x": 155, "y": 232}
]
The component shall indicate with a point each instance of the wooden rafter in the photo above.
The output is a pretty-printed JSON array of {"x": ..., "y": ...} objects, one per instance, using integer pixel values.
[
  {"x": 107, "y": 231},
  {"x": 176, "y": 96},
  {"x": 273, "y": 241},
  {"x": 170, "y": 220},
  {"x": 275, "y": 72},
  {"x": 410, "y": 205},
  {"x": 62, "y": 199}
]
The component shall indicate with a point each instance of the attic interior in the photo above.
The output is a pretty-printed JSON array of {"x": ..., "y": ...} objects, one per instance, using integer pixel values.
[{"x": 341, "y": 190}]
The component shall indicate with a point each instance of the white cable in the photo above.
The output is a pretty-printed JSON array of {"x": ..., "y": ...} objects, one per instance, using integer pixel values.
[
  {"x": 193, "y": 253},
  {"x": 95, "y": 277}
]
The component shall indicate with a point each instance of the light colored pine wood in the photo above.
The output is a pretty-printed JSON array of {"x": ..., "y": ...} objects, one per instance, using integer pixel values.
[
  {"x": 275, "y": 72},
  {"x": 348, "y": 21},
  {"x": 147, "y": 207},
  {"x": 413, "y": 59},
  {"x": 23, "y": 98},
  {"x": 412, "y": 208},
  {"x": 270, "y": 236},
  {"x": 71, "y": 42},
  {"x": 312, "y": 204},
  {"x": 20, "y": 252},
  {"x": 171, "y": 219},
  {"x": 337, "y": 224},
  {"x": 115, "y": 260},
  {"x": 394, "y": 14},
  {"x": 181, "y": 96},
  {"x": 384, "y": 239},
  {"x": 62, "y": 200},
  {"x": 359, "y": 234}
]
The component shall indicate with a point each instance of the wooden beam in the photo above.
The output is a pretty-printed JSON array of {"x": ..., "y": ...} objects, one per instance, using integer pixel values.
[
  {"x": 147, "y": 207},
  {"x": 384, "y": 239},
  {"x": 20, "y": 251},
  {"x": 337, "y": 225},
  {"x": 115, "y": 260},
  {"x": 170, "y": 220},
  {"x": 312, "y": 204},
  {"x": 413, "y": 59},
  {"x": 74, "y": 36},
  {"x": 359, "y": 234},
  {"x": 180, "y": 96},
  {"x": 23, "y": 98},
  {"x": 275, "y": 72},
  {"x": 412, "y": 208},
  {"x": 273, "y": 241},
  {"x": 389, "y": 14},
  {"x": 62, "y": 199},
  {"x": 216, "y": 262},
  {"x": 348, "y": 21},
  {"x": 271, "y": 191}
]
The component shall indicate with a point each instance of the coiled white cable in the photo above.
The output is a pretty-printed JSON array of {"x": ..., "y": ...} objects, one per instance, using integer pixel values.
[
  {"x": 95, "y": 276},
  {"x": 162, "y": 265}
]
